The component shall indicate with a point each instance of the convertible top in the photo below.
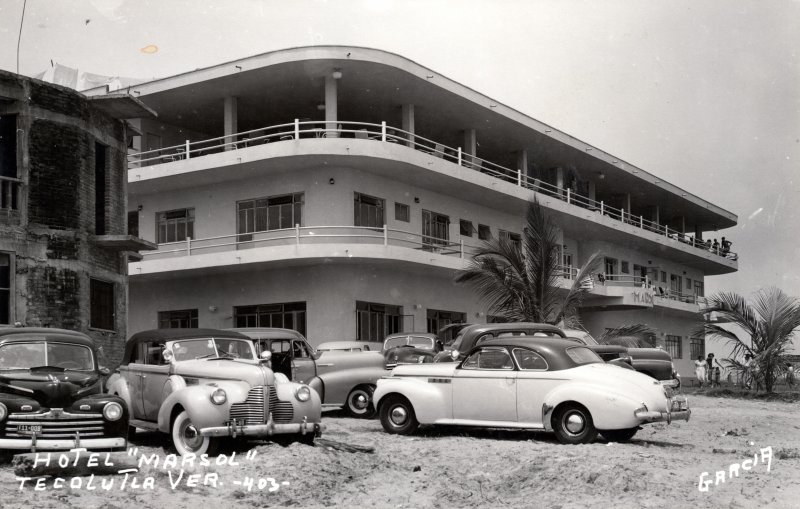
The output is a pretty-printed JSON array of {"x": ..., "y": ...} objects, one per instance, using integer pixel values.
[
  {"x": 163, "y": 335},
  {"x": 552, "y": 349},
  {"x": 13, "y": 334}
]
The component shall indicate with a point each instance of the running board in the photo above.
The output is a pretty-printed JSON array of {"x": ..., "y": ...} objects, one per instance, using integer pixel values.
[{"x": 146, "y": 425}]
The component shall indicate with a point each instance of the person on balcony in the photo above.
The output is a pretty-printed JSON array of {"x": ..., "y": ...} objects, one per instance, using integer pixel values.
[
  {"x": 715, "y": 246},
  {"x": 726, "y": 246}
]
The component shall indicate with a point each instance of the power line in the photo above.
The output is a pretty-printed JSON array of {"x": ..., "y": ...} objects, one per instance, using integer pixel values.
[{"x": 19, "y": 38}]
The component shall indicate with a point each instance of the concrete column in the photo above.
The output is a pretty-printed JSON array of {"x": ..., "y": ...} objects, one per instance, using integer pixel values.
[
  {"x": 408, "y": 123},
  {"x": 331, "y": 107},
  {"x": 470, "y": 144},
  {"x": 656, "y": 215},
  {"x": 683, "y": 225},
  {"x": 522, "y": 162},
  {"x": 231, "y": 121},
  {"x": 627, "y": 205},
  {"x": 698, "y": 232},
  {"x": 560, "y": 180},
  {"x": 592, "y": 190}
]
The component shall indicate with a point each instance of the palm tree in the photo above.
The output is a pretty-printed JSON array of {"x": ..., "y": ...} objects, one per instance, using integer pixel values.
[
  {"x": 769, "y": 321},
  {"x": 520, "y": 281}
]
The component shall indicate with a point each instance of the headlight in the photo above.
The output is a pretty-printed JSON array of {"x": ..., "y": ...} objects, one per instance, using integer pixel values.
[
  {"x": 112, "y": 411},
  {"x": 3, "y": 411},
  {"x": 218, "y": 397},
  {"x": 303, "y": 393}
]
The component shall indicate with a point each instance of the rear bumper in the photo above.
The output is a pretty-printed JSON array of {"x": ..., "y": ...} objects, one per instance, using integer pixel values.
[
  {"x": 678, "y": 411},
  {"x": 263, "y": 430},
  {"x": 63, "y": 444}
]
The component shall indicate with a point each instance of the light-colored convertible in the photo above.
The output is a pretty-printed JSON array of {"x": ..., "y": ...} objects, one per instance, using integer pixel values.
[{"x": 548, "y": 384}]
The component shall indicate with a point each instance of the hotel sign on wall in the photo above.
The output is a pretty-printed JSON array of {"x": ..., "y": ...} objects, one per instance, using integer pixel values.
[{"x": 643, "y": 297}]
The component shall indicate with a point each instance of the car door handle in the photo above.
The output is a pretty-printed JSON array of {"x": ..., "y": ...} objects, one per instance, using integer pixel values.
[{"x": 325, "y": 365}]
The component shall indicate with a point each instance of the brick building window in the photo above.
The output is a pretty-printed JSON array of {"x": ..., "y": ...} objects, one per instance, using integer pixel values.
[
  {"x": 368, "y": 211},
  {"x": 175, "y": 225},
  {"x": 177, "y": 319},
  {"x": 290, "y": 315},
  {"x": 673, "y": 346},
  {"x": 376, "y": 321},
  {"x": 102, "y": 304},
  {"x": 402, "y": 212},
  {"x": 9, "y": 183},
  {"x": 265, "y": 214},
  {"x": 5, "y": 288},
  {"x": 697, "y": 348}
]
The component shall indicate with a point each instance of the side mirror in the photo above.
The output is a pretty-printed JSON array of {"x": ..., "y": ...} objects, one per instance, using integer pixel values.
[
  {"x": 265, "y": 356},
  {"x": 104, "y": 371},
  {"x": 454, "y": 354},
  {"x": 168, "y": 355},
  {"x": 315, "y": 354}
]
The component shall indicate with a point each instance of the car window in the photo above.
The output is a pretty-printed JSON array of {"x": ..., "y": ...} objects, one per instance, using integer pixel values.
[
  {"x": 421, "y": 342},
  {"x": 529, "y": 360},
  {"x": 35, "y": 354},
  {"x": 235, "y": 348},
  {"x": 300, "y": 350},
  {"x": 154, "y": 354},
  {"x": 582, "y": 355},
  {"x": 281, "y": 345},
  {"x": 489, "y": 358},
  {"x": 394, "y": 342},
  {"x": 210, "y": 348}
]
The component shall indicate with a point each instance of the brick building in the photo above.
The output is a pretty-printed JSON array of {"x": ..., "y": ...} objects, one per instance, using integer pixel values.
[{"x": 64, "y": 245}]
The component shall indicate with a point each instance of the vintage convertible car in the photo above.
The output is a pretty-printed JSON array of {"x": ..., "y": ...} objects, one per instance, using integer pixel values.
[
  {"x": 347, "y": 346},
  {"x": 343, "y": 380},
  {"x": 410, "y": 348},
  {"x": 202, "y": 384},
  {"x": 534, "y": 383},
  {"x": 51, "y": 393}
]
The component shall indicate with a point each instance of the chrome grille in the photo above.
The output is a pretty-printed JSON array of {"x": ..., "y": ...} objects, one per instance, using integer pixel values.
[
  {"x": 55, "y": 424},
  {"x": 282, "y": 411},
  {"x": 251, "y": 411}
]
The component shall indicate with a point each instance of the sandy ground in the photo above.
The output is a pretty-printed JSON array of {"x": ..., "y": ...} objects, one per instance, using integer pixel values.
[{"x": 660, "y": 467}]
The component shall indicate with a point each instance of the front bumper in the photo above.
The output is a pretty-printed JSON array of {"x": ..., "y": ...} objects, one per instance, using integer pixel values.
[
  {"x": 678, "y": 410},
  {"x": 235, "y": 429},
  {"x": 63, "y": 444}
]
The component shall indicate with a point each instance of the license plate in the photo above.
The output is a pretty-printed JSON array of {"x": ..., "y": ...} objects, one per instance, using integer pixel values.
[
  {"x": 29, "y": 429},
  {"x": 679, "y": 405}
]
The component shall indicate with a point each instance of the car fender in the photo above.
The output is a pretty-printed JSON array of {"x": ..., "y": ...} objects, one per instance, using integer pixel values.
[
  {"x": 117, "y": 385},
  {"x": 609, "y": 410},
  {"x": 338, "y": 384},
  {"x": 196, "y": 401},
  {"x": 431, "y": 402}
]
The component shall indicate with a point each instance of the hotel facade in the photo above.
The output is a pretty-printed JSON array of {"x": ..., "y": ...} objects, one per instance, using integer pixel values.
[{"x": 339, "y": 190}]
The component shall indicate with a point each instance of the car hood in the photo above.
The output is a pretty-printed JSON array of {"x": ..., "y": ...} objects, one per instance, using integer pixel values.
[
  {"x": 428, "y": 369},
  {"x": 51, "y": 387},
  {"x": 225, "y": 369}
]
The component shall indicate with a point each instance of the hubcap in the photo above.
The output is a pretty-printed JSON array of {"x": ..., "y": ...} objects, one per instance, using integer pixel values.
[
  {"x": 359, "y": 401},
  {"x": 574, "y": 423},
  {"x": 399, "y": 416},
  {"x": 191, "y": 437}
]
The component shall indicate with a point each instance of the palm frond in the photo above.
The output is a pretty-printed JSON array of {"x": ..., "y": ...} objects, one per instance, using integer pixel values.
[{"x": 632, "y": 336}]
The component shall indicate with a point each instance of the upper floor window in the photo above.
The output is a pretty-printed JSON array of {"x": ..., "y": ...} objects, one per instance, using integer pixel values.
[
  {"x": 101, "y": 296},
  {"x": 175, "y": 225},
  {"x": 8, "y": 146},
  {"x": 465, "y": 228},
  {"x": 484, "y": 232},
  {"x": 368, "y": 211},
  {"x": 272, "y": 213},
  {"x": 511, "y": 237},
  {"x": 402, "y": 212},
  {"x": 178, "y": 319},
  {"x": 435, "y": 228},
  {"x": 699, "y": 288}
]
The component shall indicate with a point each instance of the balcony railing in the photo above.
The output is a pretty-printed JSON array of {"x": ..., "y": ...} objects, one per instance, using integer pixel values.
[{"x": 383, "y": 133}]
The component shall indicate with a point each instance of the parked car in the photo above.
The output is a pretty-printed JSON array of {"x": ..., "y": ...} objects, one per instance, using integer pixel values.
[
  {"x": 51, "y": 393},
  {"x": 472, "y": 335},
  {"x": 347, "y": 346},
  {"x": 343, "y": 380},
  {"x": 199, "y": 385},
  {"x": 410, "y": 348},
  {"x": 538, "y": 383}
]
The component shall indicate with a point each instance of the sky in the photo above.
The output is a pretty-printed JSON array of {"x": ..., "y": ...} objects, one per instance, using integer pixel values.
[{"x": 702, "y": 93}]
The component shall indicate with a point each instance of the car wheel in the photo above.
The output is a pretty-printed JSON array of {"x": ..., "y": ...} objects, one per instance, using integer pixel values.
[
  {"x": 359, "y": 402},
  {"x": 397, "y": 415},
  {"x": 619, "y": 435},
  {"x": 573, "y": 424},
  {"x": 186, "y": 437}
]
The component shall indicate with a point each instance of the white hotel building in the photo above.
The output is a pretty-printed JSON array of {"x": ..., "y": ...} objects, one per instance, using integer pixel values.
[{"x": 338, "y": 190}]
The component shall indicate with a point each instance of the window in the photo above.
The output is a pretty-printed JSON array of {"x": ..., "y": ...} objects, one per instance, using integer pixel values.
[
  {"x": 673, "y": 346},
  {"x": 133, "y": 223},
  {"x": 610, "y": 268},
  {"x": 290, "y": 315},
  {"x": 175, "y": 225},
  {"x": 437, "y": 319},
  {"x": 153, "y": 142},
  {"x": 402, "y": 212},
  {"x": 5, "y": 288},
  {"x": 511, "y": 237},
  {"x": 465, "y": 228},
  {"x": 435, "y": 228},
  {"x": 491, "y": 357},
  {"x": 675, "y": 283},
  {"x": 178, "y": 319},
  {"x": 484, "y": 232},
  {"x": 101, "y": 295},
  {"x": 688, "y": 284},
  {"x": 100, "y": 189},
  {"x": 368, "y": 211},
  {"x": 376, "y": 321},
  {"x": 697, "y": 348},
  {"x": 8, "y": 146},
  {"x": 663, "y": 276},
  {"x": 529, "y": 360},
  {"x": 699, "y": 288},
  {"x": 624, "y": 268},
  {"x": 265, "y": 214}
]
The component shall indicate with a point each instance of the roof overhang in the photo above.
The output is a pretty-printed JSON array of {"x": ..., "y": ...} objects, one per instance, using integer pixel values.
[
  {"x": 124, "y": 243},
  {"x": 122, "y": 106}
]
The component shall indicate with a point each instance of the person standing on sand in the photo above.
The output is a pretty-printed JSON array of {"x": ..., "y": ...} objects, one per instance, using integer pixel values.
[{"x": 700, "y": 370}]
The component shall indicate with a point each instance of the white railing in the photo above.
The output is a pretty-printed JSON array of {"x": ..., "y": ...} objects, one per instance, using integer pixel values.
[{"x": 382, "y": 132}]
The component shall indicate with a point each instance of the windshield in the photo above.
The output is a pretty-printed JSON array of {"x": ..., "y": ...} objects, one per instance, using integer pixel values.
[
  {"x": 582, "y": 355},
  {"x": 213, "y": 348},
  {"x": 43, "y": 353}
]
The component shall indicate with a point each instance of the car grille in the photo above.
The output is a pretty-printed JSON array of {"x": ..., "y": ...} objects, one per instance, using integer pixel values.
[
  {"x": 55, "y": 424},
  {"x": 251, "y": 411},
  {"x": 282, "y": 411}
]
